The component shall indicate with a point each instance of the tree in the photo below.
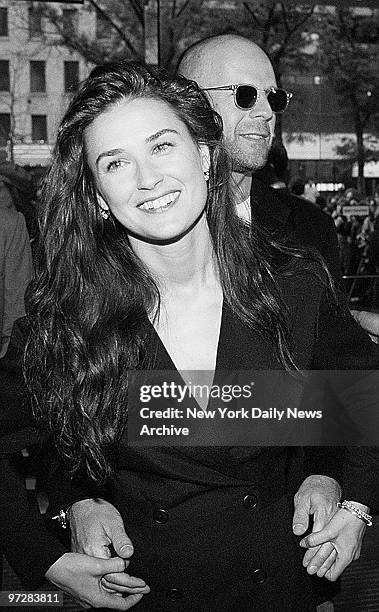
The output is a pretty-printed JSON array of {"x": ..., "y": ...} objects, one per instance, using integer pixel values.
[{"x": 351, "y": 65}]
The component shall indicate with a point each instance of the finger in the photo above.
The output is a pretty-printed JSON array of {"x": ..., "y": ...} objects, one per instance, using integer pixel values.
[
  {"x": 121, "y": 541},
  {"x": 321, "y": 537},
  {"x": 320, "y": 520},
  {"x": 109, "y": 588},
  {"x": 125, "y": 580},
  {"x": 300, "y": 521},
  {"x": 121, "y": 589},
  {"x": 102, "y": 552},
  {"x": 116, "y": 602},
  {"x": 319, "y": 558},
  {"x": 310, "y": 553},
  {"x": 368, "y": 320},
  {"x": 327, "y": 564},
  {"x": 109, "y": 566}
]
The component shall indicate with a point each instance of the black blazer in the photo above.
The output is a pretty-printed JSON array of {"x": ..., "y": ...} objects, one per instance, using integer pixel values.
[{"x": 296, "y": 220}]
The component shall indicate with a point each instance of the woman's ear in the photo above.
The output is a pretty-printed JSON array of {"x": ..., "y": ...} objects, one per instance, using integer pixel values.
[
  {"x": 205, "y": 159},
  {"x": 104, "y": 208}
]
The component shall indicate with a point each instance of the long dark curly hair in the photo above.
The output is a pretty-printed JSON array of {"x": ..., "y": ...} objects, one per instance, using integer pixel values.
[{"x": 89, "y": 302}]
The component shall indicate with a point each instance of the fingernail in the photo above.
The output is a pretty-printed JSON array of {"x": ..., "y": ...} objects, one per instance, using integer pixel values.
[
  {"x": 298, "y": 528},
  {"x": 312, "y": 569},
  {"x": 127, "y": 548},
  {"x": 303, "y": 543}
]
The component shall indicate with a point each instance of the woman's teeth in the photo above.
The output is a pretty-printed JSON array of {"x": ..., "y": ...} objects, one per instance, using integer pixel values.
[{"x": 161, "y": 202}]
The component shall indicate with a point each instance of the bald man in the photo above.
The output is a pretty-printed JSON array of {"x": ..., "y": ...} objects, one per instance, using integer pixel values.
[{"x": 229, "y": 60}]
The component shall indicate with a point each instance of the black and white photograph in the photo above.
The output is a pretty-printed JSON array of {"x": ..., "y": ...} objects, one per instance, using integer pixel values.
[{"x": 189, "y": 305}]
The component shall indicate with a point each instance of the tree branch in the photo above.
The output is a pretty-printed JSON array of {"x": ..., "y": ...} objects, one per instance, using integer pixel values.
[
  {"x": 251, "y": 12},
  {"x": 114, "y": 25}
]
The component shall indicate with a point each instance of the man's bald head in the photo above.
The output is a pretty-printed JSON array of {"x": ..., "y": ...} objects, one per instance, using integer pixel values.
[
  {"x": 205, "y": 61},
  {"x": 225, "y": 60}
]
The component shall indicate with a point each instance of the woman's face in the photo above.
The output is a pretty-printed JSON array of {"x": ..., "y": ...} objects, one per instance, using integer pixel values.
[{"x": 147, "y": 169}]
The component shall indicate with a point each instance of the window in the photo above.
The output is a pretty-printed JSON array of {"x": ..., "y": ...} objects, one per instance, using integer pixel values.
[
  {"x": 5, "y": 128},
  {"x": 71, "y": 76},
  {"x": 35, "y": 21},
  {"x": 3, "y": 21},
  {"x": 37, "y": 76},
  {"x": 39, "y": 128},
  {"x": 103, "y": 28},
  {"x": 70, "y": 21},
  {"x": 4, "y": 75}
]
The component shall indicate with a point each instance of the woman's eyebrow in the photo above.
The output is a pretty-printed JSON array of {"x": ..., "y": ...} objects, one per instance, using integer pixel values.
[
  {"x": 160, "y": 133},
  {"x": 109, "y": 154},
  {"x": 148, "y": 139}
]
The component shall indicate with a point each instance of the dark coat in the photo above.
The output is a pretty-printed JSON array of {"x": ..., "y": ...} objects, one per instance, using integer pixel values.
[
  {"x": 296, "y": 220},
  {"x": 212, "y": 526}
]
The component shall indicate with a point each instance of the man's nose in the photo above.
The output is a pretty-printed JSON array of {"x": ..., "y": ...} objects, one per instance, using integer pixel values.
[
  {"x": 262, "y": 107},
  {"x": 148, "y": 175}
]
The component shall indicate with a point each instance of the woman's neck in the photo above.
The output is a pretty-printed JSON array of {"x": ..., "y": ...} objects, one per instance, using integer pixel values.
[{"x": 187, "y": 265}]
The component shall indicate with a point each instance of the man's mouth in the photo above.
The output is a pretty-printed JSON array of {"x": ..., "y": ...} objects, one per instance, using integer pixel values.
[
  {"x": 161, "y": 203},
  {"x": 256, "y": 136}
]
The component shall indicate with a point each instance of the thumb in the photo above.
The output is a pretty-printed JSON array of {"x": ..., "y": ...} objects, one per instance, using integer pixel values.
[
  {"x": 121, "y": 542},
  {"x": 300, "y": 521},
  {"x": 110, "y": 566}
]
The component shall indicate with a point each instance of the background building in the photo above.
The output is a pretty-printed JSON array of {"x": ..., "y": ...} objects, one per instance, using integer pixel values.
[{"x": 47, "y": 48}]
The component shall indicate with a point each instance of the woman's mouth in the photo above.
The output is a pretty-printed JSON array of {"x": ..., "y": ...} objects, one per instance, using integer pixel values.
[{"x": 159, "y": 204}]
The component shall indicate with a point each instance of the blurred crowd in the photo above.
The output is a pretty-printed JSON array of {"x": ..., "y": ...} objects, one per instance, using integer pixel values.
[{"x": 357, "y": 230}]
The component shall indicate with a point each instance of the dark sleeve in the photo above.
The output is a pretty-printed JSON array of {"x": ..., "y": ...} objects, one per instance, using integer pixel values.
[
  {"x": 24, "y": 539},
  {"x": 343, "y": 346}
]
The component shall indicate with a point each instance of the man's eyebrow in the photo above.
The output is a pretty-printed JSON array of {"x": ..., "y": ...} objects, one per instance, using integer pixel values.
[{"x": 160, "y": 133}]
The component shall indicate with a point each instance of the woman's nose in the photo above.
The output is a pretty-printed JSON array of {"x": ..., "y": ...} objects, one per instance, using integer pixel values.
[{"x": 148, "y": 176}]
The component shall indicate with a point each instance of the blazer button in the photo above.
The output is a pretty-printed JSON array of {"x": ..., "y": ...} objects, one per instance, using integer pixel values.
[
  {"x": 250, "y": 501},
  {"x": 160, "y": 516},
  {"x": 259, "y": 576},
  {"x": 174, "y": 595}
]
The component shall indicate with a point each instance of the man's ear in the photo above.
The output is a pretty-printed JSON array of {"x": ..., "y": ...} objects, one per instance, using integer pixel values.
[{"x": 205, "y": 158}]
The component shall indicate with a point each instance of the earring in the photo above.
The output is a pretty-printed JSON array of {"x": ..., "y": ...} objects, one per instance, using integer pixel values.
[
  {"x": 104, "y": 212},
  {"x": 206, "y": 175}
]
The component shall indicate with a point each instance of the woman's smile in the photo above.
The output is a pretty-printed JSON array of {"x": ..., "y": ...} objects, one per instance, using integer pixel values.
[{"x": 159, "y": 204}]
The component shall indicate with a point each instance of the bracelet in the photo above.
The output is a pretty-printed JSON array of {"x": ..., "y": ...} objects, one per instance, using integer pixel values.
[
  {"x": 351, "y": 507},
  {"x": 62, "y": 517}
]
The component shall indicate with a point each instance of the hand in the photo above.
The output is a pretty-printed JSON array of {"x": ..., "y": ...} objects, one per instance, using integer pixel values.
[
  {"x": 95, "y": 525},
  {"x": 318, "y": 495},
  {"x": 338, "y": 544},
  {"x": 369, "y": 321},
  {"x": 81, "y": 576}
]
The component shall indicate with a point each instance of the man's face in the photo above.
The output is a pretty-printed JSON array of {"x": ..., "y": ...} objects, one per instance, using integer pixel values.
[{"x": 248, "y": 134}]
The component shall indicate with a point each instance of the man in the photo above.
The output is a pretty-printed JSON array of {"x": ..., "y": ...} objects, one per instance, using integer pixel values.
[{"x": 248, "y": 134}]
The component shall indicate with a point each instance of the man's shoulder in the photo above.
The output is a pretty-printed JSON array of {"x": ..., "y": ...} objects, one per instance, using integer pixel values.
[{"x": 304, "y": 210}]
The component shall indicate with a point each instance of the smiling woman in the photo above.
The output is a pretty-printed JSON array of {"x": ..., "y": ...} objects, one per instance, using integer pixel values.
[
  {"x": 152, "y": 180},
  {"x": 144, "y": 264}
]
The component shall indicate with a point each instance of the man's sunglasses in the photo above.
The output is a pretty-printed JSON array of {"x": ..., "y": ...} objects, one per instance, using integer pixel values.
[{"x": 246, "y": 96}]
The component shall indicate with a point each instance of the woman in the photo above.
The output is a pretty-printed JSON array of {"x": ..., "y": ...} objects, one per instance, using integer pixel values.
[{"x": 143, "y": 264}]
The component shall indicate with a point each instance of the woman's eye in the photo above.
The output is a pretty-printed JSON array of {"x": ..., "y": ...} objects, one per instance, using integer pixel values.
[
  {"x": 162, "y": 146},
  {"x": 116, "y": 164}
]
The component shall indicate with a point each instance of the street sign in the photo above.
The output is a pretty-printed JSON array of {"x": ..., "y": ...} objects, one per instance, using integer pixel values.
[{"x": 357, "y": 211}]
